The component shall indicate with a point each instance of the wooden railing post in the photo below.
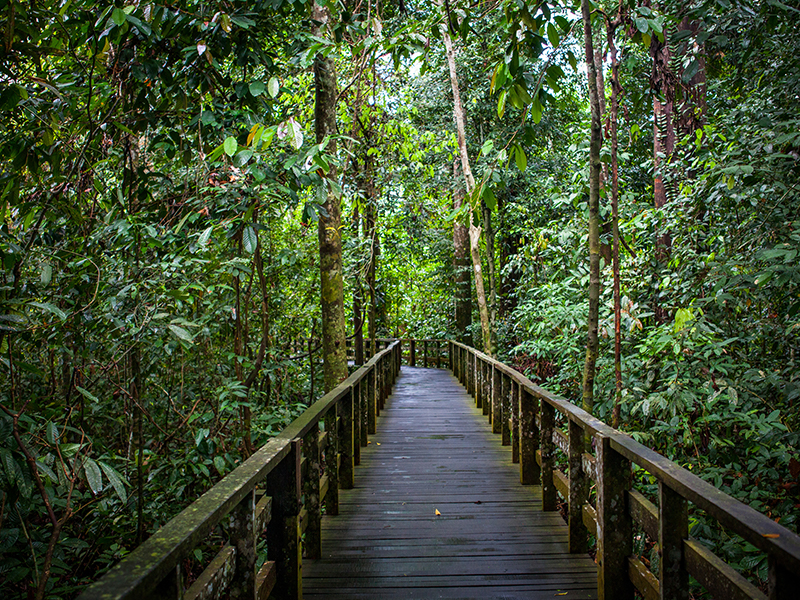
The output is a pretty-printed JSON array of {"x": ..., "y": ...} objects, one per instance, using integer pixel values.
[
  {"x": 355, "y": 392},
  {"x": 171, "y": 587},
  {"x": 438, "y": 354},
  {"x": 332, "y": 462},
  {"x": 529, "y": 471},
  {"x": 673, "y": 528},
  {"x": 505, "y": 408},
  {"x": 372, "y": 408},
  {"x": 425, "y": 353},
  {"x": 614, "y": 527},
  {"x": 578, "y": 490},
  {"x": 312, "y": 540},
  {"x": 346, "y": 446},
  {"x": 515, "y": 432},
  {"x": 363, "y": 411},
  {"x": 412, "y": 353},
  {"x": 783, "y": 583},
  {"x": 283, "y": 531},
  {"x": 497, "y": 402},
  {"x": 548, "y": 420}
]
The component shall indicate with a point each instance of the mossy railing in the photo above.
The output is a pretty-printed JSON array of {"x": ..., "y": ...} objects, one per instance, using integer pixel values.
[
  {"x": 545, "y": 430},
  {"x": 278, "y": 493}
]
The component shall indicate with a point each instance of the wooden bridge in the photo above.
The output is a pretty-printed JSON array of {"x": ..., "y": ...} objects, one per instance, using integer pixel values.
[{"x": 442, "y": 483}]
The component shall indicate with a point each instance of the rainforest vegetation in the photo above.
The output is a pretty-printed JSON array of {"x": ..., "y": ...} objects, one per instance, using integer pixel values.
[{"x": 202, "y": 199}]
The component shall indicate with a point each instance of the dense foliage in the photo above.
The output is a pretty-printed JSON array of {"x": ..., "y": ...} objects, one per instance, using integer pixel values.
[{"x": 160, "y": 191}]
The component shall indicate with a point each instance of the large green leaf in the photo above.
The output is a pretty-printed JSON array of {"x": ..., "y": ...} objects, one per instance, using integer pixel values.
[
  {"x": 94, "y": 477},
  {"x": 116, "y": 481}
]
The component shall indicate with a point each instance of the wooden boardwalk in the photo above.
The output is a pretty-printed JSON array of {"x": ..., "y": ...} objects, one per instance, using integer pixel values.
[{"x": 438, "y": 512}]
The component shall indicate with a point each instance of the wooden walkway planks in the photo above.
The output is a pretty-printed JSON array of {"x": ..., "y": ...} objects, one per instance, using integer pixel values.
[{"x": 435, "y": 452}]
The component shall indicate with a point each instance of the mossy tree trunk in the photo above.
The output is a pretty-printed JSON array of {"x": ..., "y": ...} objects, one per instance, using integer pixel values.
[{"x": 334, "y": 354}]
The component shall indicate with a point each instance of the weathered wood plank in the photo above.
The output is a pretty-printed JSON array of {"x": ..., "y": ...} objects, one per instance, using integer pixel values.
[{"x": 490, "y": 538}]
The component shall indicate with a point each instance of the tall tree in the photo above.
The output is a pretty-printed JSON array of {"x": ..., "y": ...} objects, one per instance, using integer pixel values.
[
  {"x": 474, "y": 230},
  {"x": 592, "y": 343},
  {"x": 334, "y": 352}
]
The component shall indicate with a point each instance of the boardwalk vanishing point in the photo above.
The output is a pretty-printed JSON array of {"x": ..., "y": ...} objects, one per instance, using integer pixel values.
[{"x": 438, "y": 512}]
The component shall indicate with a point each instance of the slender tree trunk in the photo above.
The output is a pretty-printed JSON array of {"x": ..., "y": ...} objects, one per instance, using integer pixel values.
[
  {"x": 334, "y": 353},
  {"x": 490, "y": 265},
  {"x": 592, "y": 344},
  {"x": 461, "y": 260},
  {"x": 605, "y": 224},
  {"x": 371, "y": 282},
  {"x": 664, "y": 188},
  {"x": 474, "y": 231},
  {"x": 613, "y": 117},
  {"x": 358, "y": 301}
]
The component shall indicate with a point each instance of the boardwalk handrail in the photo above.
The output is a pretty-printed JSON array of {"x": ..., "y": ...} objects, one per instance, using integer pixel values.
[
  {"x": 303, "y": 467},
  {"x": 524, "y": 414}
]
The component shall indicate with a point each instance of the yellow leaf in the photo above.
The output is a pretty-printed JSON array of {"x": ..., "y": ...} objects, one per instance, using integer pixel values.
[
  {"x": 379, "y": 443},
  {"x": 438, "y": 514}
]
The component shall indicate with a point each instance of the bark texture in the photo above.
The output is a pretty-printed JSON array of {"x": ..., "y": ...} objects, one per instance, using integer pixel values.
[
  {"x": 461, "y": 266},
  {"x": 474, "y": 231},
  {"x": 592, "y": 342},
  {"x": 334, "y": 353}
]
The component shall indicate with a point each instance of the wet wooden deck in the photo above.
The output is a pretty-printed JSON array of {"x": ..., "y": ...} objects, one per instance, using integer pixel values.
[{"x": 438, "y": 512}]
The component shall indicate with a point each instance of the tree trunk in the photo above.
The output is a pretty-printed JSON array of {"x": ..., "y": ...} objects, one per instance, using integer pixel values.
[
  {"x": 371, "y": 281},
  {"x": 664, "y": 189},
  {"x": 490, "y": 264},
  {"x": 334, "y": 353},
  {"x": 461, "y": 265},
  {"x": 605, "y": 225},
  {"x": 474, "y": 231},
  {"x": 592, "y": 343},
  {"x": 358, "y": 301},
  {"x": 615, "y": 92}
]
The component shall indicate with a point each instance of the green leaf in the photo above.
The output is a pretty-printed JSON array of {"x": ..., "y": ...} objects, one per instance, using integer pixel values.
[
  {"x": 552, "y": 35},
  {"x": 501, "y": 104},
  {"x": 536, "y": 110},
  {"x": 642, "y": 24},
  {"x": 47, "y": 307},
  {"x": 219, "y": 464},
  {"x": 93, "y": 476},
  {"x": 230, "y": 145},
  {"x": 86, "y": 394},
  {"x": 522, "y": 160},
  {"x": 242, "y": 157},
  {"x": 180, "y": 332},
  {"x": 204, "y": 237},
  {"x": 47, "y": 274},
  {"x": 489, "y": 198},
  {"x": 257, "y": 88},
  {"x": 273, "y": 87},
  {"x": 52, "y": 433},
  {"x": 116, "y": 481},
  {"x": 69, "y": 450},
  {"x": 243, "y": 22},
  {"x": 249, "y": 239},
  {"x": 119, "y": 17},
  {"x": 10, "y": 465}
]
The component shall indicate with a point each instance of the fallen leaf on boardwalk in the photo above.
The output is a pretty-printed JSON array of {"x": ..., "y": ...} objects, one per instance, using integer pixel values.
[
  {"x": 562, "y": 593},
  {"x": 438, "y": 514},
  {"x": 369, "y": 441},
  {"x": 772, "y": 535},
  {"x": 379, "y": 443}
]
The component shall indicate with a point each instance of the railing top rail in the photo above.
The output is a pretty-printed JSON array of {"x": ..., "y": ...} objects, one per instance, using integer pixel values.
[
  {"x": 137, "y": 575},
  {"x": 756, "y": 528}
]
